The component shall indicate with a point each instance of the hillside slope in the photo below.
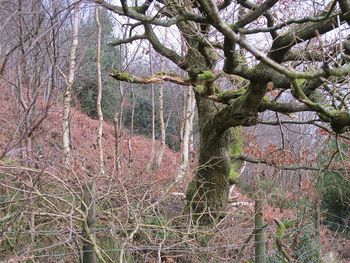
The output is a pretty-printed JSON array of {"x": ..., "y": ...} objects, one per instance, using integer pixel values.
[{"x": 47, "y": 140}]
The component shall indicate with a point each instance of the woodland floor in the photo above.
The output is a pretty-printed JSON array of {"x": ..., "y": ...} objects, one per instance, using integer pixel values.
[{"x": 136, "y": 154}]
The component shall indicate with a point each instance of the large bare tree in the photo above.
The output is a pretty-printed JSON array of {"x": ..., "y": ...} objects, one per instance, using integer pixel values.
[{"x": 296, "y": 47}]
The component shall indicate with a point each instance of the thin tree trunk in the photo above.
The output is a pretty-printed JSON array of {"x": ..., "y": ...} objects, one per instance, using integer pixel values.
[
  {"x": 260, "y": 255},
  {"x": 317, "y": 218},
  {"x": 183, "y": 118},
  {"x": 117, "y": 137},
  {"x": 184, "y": 96},
  {"x": 162, "y": 127},
  {"x": 89, "y": 216},
  {"x": 89, "y": 191},
  {"x": 186, "y": 138},
  {"x": 131, "y": 125},
  {"x": 99, "y": 91},
  {"x": 118, "y": 129},
  {"x": 191, "y": 139},
  {"x": 160, "y": 153},
  {"x": 67, "y": 136},
  {"x": 151, "y": 162},
  {"x": 132, "y": 110}
]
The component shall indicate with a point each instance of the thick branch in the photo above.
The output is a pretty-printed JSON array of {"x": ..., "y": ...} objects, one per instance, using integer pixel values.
[
  {"x": 287, "y": 23},
  {"x": 161, "y": 49},
  {"x": 303, "y": 32},
  {"x": 224, "y": 4},
  {"x": 282, "y": 107},
  {"x": 217, "y": 21},
  {"x": 253, "y": 15},
  {"x": 158, "y": 78},
  {"x": 242, "y": 111},
  {"x": 345, "y": 8},
  {"x": 268, "y": 16}
]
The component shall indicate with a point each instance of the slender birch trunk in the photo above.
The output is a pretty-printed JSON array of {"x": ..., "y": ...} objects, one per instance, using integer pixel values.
[
  {"x": 131, "y": 125},
  {"x": 186, "y": 137},
  {"x": 160, "y": 153},
  {"x": 132, "y": 111},
  {"x": 89, "y": 191},
  {"x": 162, "y": 127},
  {"x": 99, "y": 91},
  {"x": 118, "y": 129},
  {"x": 150, "y": 164},
  {"x": 193, "y": 108},
  {"x": 184, "y": 96},
  {"x": 117, "y": 165},
  {"x": 186, "y": 126},
  {"x": 67, "y": 136},
  {"x": 183, "y": 118}
]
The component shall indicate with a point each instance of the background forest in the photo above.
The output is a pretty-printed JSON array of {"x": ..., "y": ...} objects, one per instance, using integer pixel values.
[{"x": 174, "y": 131}]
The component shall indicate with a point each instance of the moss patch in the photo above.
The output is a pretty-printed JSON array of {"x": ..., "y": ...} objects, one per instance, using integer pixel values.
[
  {"x": 191, "y": 190},
  {"x": 200, "y": 89},
  {"x": 236, "y": 149},
  {"x": 122, "y": 76},
  {"x": 206, "y": 76}
]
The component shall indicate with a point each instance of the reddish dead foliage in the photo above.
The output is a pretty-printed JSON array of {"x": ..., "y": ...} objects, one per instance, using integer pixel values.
[{"x": 135, "y": 151}]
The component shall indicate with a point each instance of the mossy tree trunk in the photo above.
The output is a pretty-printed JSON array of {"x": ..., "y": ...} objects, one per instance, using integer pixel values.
[{"x": 208, "y": 192}]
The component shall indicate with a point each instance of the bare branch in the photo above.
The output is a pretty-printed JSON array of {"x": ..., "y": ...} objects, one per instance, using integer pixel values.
[
  {"x": 277, "y": 166},
  {"x": 250, "y": 17},
  {"x": 127, "y": 40},
  {"x": 132, "y": 13}
]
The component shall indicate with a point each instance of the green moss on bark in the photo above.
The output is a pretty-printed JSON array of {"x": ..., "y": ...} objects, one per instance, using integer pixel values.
[
  {"x": 122, "y": 76},
  {"x": 236, "y": 149},
  {"x": 206, "y": 76}
]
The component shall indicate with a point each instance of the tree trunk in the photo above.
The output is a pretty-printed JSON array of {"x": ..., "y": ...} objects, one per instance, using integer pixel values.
[
  {"x": 162, "y": 128},
  {"x": 99, "y": 91},
  {"x": 88, "y": 208},
  {"x": 153, "y": 147},
  {"x": 68, "y": 92},
  {"x": 207, "y": 194},
  {"x": 260, "y": 255},
  {"x": 191, "y": 139},
  {"x": 186, "y": 138},
  {"x": 317, "y": 219},
  {"x": 183, "y": 118},
  {"x": 118, "y": 129},
  {"x": 130, "y": 159},
  {"x": 117, "y": 137}
]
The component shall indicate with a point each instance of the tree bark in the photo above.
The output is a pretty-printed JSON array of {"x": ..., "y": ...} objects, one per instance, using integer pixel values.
[
  {"x": 67, "y": 136},
  {"x": 207, "y": 193},
  {"x": 162, "y": 127},
  {"x": 187, "y": 122},
  {"x": 118, "y": 129},
  {"x": 153, "y": 147},
  {"x": 260, "y": 254},
  {"x": 88, "y": 208},
  {"x": 99, "y": 91},
  {"x": 191, "y": 139}
]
